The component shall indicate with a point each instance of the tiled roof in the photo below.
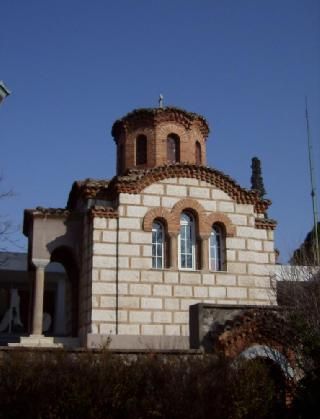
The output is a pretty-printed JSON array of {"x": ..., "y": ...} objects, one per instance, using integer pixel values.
[
  {"x": 157, "y": 115},
  {"x": 135, "y": 180},
  {"x": 87, "y": 188}
]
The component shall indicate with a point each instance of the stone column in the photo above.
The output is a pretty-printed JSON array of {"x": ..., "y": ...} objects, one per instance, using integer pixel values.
[
  {"x": 174, "y": 251},
  {"x": 205, "y": 254},
  {"x": 38, "y": 296}
]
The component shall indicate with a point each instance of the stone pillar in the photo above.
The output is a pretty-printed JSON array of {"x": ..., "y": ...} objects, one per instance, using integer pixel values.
[
  {"x": 37, "y": 318},
  {"x": 174, "y": 251},
  {"x": 205, "y": 254}
]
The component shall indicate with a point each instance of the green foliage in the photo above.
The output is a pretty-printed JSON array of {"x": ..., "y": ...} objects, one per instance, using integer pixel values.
[{"x": 256, "y": 177}]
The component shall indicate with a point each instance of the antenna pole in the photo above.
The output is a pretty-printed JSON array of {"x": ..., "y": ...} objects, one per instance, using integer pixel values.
[{"x": 313, "y": 192}]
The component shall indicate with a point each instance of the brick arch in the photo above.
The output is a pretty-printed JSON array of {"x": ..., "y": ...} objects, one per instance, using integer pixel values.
[
  {"x": 220, "y": 218},
  {"x": 257, "y": 326},
  {"x": 196, "y": 209},
  {"x": 159, "y": 213}
]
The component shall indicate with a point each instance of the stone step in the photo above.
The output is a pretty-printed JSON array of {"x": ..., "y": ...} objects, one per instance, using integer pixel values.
[{"x": 46, "y": 342}]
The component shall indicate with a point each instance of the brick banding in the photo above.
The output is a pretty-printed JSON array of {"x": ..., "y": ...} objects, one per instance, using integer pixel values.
[
  {"x": 196, "y": 209},
  {"x": 220, "y": 218},
  {"x": 136, "y": 180},
  {"x": 103, "y": 212},
  {"x": 265, "y": 223},
  {"x": 154, "y": 116},
  {"x": 161, "y": 214}
]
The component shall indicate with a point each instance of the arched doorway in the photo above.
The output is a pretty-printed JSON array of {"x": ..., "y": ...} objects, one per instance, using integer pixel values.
[{"x": 61, "y": 294}]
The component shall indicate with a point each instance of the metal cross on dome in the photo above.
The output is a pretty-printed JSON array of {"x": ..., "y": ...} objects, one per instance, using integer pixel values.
[{"x": 161, "y": 101}]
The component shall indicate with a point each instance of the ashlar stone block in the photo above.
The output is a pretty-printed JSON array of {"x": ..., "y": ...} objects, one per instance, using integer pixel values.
[
  {"x": 171, "y": 303},
  {"x": 140, "y": 289},
  {"x": 219, "y": 195},
  {"x": 101, "y": 288},
  {"x": 182, "y": 291},
  {"x": 99, "y": 223},
  {"x": 140, "y": 316},
  {"x": 190, "y": 278},
  {"x": 224, "y": 206},
  {"x": 236, "y": 292},
  {"x": 199, "y": 192},
  {"x": 154, "y": 330},
  {"x": 141, "y": 263},
  {"x": 172, "y": 330},
  {"x": 176, "y": 190},
  {"x": 151, "y": 303},
  {"x": 225, "y": 279},
  {"x": 154, "y": 276},
  {"x": 151, "y": 200},
  {"x": 104, "y": 249},
  {"x": 181, "y": 317},
  {"x": 162, "y": 290},
  {"x": 162, "y": 317},
  {"x": 217, "y": 292},
  {"x": 129, "y": 329},
  {"x": 107, "y": 275},
  {"x": 103, "y": 315},
  {"x": 130, "y": 223},
  {"x": 135, "y": 211},
  {"x": 129, "y": 302},
  {"x": 155, "y": 189},
  {"x": 125, "y": 198}
]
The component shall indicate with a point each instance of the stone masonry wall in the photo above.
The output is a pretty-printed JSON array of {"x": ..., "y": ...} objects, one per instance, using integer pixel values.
[{"x": 131, "y": 298}]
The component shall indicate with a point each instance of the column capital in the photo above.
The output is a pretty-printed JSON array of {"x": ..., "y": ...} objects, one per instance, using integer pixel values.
[{"x": 40, "y": 263}]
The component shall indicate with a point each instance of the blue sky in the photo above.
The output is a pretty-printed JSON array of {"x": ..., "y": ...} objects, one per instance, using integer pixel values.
[{"x": 75, "y": 66}]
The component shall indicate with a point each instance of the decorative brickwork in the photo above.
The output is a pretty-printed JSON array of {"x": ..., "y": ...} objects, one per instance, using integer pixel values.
[
  {"x": 196, "y": 209},
  {"x": 159, "y": 213},
  {"x": 265, "y": 223},
  {"x": 156, "y": 126},
  {"x": 105, "y": 212},
  {"x": 172, "y": 218},
  {"x": 220, "y": 218},
  {"x": 108, "y": 224},
  {"x": 137, "y": 180},
  {"x": 154, "y": 116}
]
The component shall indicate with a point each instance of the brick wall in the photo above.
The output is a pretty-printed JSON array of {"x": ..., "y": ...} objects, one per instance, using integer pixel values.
[{"x": 157, "y": 144}]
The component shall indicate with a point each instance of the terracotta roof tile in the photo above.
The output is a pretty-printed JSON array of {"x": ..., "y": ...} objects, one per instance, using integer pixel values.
[
  {"x": 135, "y": 180},
  {"x": 156, "y": 115}
]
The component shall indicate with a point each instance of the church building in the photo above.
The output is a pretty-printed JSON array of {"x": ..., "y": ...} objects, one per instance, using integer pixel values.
[{"x": 140, "y": 250}]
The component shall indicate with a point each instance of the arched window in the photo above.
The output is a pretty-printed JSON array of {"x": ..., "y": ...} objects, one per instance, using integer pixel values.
[
  {"x": 173, "y": 148},
  {"x": 198, "y": 153},
  {"x": 187, "y": 242},
  {"x": 158, "y": 238},
  {"x": 141, "y": 149},
  {"x": 217, "y": 248}
]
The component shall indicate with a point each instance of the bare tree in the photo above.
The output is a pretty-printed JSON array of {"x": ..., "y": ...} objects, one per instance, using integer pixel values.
[
  {"x": 7, "y": 228},
  {"x": 298, "y": 294}
]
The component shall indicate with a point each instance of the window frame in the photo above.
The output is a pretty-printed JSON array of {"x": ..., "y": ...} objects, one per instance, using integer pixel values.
[
  {"x": 192, "y": 225},
  {"x": 141, "y": 150},
  {"x": 217, "y": 263},
  {"x": 198, "y": 153},
  {"x": 155, "y": 243},
  {"x": 173, "y": 148}
]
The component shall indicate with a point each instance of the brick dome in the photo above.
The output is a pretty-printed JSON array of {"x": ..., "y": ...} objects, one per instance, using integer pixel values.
[{"x": 147, "y": 138}]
